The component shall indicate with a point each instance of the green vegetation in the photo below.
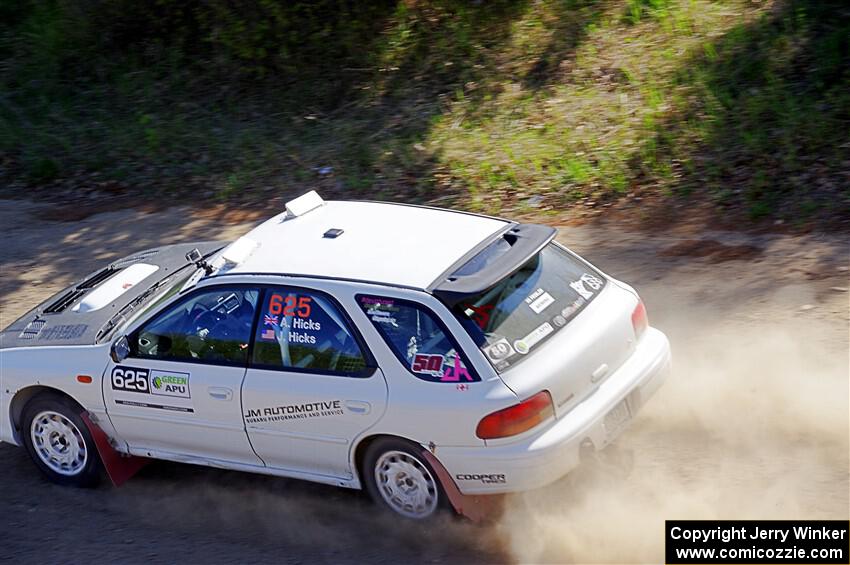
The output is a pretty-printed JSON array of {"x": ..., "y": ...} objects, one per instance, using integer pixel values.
[{"x": 489, "y": 105}]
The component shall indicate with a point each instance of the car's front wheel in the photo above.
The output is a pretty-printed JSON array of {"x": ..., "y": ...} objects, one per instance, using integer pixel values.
[
  {"x": 400, "y": 479},
  {"x": 59, "y": 442}
]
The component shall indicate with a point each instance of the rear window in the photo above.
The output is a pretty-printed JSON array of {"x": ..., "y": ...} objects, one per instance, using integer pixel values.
[{"x": 514, "y": 317}]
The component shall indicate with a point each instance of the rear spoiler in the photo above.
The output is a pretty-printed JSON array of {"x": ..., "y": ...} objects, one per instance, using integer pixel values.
[{"x": 524, "y": 241}]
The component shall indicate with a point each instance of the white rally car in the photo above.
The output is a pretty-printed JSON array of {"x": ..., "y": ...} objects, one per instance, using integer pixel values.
[{"x": 422, "y": 354}]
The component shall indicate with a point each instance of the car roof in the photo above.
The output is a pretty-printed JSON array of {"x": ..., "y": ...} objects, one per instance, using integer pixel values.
[{"x": 394, "y": 244}]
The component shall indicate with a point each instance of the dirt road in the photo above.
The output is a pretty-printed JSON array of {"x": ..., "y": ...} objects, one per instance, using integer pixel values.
[{"x": 753, "y": 424}]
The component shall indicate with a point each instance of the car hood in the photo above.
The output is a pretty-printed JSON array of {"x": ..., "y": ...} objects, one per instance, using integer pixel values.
[{"x": 75, "y": 315}]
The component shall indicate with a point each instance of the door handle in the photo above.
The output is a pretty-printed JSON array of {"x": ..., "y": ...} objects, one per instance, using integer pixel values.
[
  {"x": 600, "y": 372},
  {"x": 358, "y": 406},
  {"x": 220, "y": 393}
]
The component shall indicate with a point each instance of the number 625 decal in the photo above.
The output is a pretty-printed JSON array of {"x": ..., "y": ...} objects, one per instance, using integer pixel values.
[
  {"x": 289, "y": 305},
  {"x": 130, "y": 379}
]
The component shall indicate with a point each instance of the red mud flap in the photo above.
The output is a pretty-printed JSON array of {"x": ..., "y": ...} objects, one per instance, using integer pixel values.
[
  {"x": 118, "y": 466},
  {"x": 476, "y": 508}
]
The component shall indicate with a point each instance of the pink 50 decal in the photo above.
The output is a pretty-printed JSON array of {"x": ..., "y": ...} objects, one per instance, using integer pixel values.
[{"x": 435, "y": 365}]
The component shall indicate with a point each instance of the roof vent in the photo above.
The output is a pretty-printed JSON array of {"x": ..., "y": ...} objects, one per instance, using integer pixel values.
[
  {"x": 333, "y": 233},
  {"x": 304, "y": 203}
]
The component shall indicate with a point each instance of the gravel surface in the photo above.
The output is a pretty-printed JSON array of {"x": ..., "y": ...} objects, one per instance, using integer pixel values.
[{"x": 753, "y": 424}]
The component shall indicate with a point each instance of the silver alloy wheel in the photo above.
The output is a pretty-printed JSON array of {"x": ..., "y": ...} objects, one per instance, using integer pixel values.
[
  {"x": 406, "y": 485},
  {"x": 58, "y": 443}
]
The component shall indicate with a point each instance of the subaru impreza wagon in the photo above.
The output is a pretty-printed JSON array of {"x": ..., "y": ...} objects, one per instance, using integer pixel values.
[{"x": 425, "y": 355}]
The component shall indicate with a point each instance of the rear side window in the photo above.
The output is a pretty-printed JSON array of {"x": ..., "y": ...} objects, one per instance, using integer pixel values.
[
  {"x": 419, "y": 339},
  {"x": 304, "y": 330}
]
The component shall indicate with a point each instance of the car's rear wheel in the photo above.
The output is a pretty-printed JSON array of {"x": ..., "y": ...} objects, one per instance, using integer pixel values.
[
  {"x": 59, "y": 442},
  {"x": 398, "y": 478}
]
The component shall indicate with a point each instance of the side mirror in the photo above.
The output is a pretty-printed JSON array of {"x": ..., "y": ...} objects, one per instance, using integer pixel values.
[{"x": 120, "y": 349}]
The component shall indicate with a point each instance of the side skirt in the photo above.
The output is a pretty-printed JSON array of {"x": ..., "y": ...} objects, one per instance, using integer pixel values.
[{"x": 243, "y": 467}]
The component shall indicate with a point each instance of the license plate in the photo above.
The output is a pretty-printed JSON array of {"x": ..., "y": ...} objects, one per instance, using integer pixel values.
[{"x": 616, "y": 419}]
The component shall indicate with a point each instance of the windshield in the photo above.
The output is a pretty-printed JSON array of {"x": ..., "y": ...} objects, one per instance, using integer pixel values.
[{"x": 515, "y": 316}]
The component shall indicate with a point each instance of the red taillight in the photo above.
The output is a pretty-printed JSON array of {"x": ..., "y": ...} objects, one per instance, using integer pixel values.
[
  {"x": 639, "y": 319},
  {"x": 517, "y": 418}
]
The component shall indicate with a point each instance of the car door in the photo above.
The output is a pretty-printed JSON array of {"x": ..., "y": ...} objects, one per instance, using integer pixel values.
[
  {"x": 179, "y": 390},
  {"x": 312, "y": 386}
]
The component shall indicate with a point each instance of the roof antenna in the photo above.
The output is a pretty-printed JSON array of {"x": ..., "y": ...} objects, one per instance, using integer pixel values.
[{"x": 194, "y": 256}]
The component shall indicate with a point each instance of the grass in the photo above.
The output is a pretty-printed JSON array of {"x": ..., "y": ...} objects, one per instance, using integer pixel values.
[{"x": 547, "y": 103}]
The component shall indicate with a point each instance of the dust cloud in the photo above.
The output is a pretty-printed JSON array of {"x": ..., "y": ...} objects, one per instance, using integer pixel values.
[
  {"x": 291, "y": 521},
  {"x": 753, "y": 424}
]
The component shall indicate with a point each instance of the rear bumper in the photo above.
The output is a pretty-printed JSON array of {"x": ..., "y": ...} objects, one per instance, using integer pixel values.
[{"x": 546, "y": 457}]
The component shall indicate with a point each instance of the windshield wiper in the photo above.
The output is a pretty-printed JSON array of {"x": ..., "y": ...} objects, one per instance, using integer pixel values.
[{"x": 121, "y": 315}]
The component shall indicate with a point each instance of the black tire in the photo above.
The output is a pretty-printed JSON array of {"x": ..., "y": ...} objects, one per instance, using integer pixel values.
[
  {"x": 427, "y": 484},
  {"x": 83, "y": 467}
]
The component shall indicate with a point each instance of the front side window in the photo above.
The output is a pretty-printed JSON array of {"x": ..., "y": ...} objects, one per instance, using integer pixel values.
[
  {"x": 305, "y": 330},
  {"x": 418, "y": 339},
  {"x": 212, "y": 325}
]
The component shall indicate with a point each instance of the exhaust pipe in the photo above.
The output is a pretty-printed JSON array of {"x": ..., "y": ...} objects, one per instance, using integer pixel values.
[{"x": 586, "y": 450}]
